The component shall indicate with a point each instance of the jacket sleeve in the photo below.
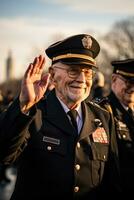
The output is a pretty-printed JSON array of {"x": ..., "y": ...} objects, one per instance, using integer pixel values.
[{"x": 14, "y": 132}]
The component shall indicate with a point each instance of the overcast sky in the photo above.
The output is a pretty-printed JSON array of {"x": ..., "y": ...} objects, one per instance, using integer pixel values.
[{"x": 27, "y": 27}]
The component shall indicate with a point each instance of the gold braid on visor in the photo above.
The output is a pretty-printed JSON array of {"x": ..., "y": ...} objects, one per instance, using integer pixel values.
[
  {"x": 70, "y": 55},
  {"x": 124, "y": 73}
]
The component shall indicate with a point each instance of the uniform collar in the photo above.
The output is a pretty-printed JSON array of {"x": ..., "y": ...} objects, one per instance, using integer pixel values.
[{"x": 66, "y": 109}]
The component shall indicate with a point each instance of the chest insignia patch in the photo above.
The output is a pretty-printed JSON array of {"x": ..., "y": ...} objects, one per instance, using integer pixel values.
[{"x": 100, "y": 136}]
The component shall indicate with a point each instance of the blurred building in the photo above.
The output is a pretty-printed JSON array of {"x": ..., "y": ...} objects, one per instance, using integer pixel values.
[{"x": 9, "y": 67}]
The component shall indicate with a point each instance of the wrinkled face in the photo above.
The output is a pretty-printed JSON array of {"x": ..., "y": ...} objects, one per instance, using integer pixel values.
[
  {"x": 72, "y": 83},
  {"x": 123, "y": 89}
]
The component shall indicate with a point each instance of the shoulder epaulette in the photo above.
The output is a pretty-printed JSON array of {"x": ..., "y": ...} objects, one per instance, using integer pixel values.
[
  {"x": 96, "y": 105},
  {"x": 104, "y": 99},
  {"x": 97, "y": 100},
  {"x": 105, "y": 103},
  {"x": 93, "y": 103}
]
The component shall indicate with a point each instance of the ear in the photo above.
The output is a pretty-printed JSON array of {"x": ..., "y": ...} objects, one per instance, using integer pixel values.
[
  {"x": 51, "y": 71},
  {"x": 114, "y": 77}
]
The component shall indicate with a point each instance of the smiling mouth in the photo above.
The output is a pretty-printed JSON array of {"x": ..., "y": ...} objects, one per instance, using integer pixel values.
[{"x": 77, "y": 87}]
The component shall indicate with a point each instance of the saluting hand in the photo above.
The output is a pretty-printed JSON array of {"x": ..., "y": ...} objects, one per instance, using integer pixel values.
[{"x": 34, "y": 84}]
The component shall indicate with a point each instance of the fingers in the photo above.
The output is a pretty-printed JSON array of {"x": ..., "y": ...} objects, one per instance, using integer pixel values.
[
  {"x": 36, "y": 67},
  {"x": 28, "y": 71}
]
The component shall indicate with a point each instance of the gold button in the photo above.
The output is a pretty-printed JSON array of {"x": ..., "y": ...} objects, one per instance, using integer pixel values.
[
  {"x": 49, "y": 148},
  {"x": 76, "y": 189},
  {"x": 78, "y": 145},
  {"x": 124, "y": 136},
  {"x": 77, "y": 167},
  {"x": 104, "y": 156}
]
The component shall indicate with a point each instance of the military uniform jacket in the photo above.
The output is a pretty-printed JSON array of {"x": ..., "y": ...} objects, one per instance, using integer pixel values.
[
  {"x": 52, "y": 161},
  {"x": 124, "y": 124}
]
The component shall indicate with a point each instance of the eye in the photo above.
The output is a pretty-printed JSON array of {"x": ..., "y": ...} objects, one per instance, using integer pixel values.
[{"x": 73, "y": 71}]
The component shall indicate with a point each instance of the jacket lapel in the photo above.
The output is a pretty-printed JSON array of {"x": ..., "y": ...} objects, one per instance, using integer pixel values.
[
  {"x": 56, "y": 115},
  {"x": 91, "y": 114},
  {"x": 88, "y": 125}
]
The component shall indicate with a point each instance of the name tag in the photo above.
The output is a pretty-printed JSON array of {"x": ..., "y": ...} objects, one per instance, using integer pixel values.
[
  {"x": 100, "y": 136},
  {"x": 51, "y": 140}
]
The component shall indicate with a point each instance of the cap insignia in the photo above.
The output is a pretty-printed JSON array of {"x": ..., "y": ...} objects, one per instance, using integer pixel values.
[{"x": 87, "y": 42}]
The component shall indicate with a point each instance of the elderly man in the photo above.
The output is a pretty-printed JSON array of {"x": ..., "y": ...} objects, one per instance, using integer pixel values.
[
  {"x": 121, "y": 103},
  {"x": 61, "y": 144}
]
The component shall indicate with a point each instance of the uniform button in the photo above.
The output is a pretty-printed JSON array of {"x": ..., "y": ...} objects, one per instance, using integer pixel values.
[
  {"x": 124, "y": 136},
  {"x": 104, "y": 156},
  {"x": 49, "y": 148},
  {"x": 78, "y": 145},
  {"x": 76, "y": 189},
  {"x": 77, "y": 167}
]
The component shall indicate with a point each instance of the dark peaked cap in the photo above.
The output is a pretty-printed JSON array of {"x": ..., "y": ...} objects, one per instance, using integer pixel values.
[
  {"x": 75, "y": 50},
  {"x": 124, "y": 68}
]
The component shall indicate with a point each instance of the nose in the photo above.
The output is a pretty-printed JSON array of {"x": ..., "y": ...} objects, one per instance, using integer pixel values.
[{"x": 81, "y": 77}]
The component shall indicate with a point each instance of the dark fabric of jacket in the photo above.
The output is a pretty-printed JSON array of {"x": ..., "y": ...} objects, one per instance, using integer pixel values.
[
  {"x": 52, "y": 160},
  {"x": 124, "y": 124}
]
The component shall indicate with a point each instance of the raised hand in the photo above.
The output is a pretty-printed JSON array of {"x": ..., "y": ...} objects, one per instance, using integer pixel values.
[{"x": 34, "y": 84}]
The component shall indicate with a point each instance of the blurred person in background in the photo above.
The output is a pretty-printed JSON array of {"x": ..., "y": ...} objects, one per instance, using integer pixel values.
[
  {"x": 8, "y": 98},
  {"x": 3, "y": 168},
  {"x": 98, "y": 86},
  {"x": 1, "y": 101},
  {"x": 120, "y": 102}
]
